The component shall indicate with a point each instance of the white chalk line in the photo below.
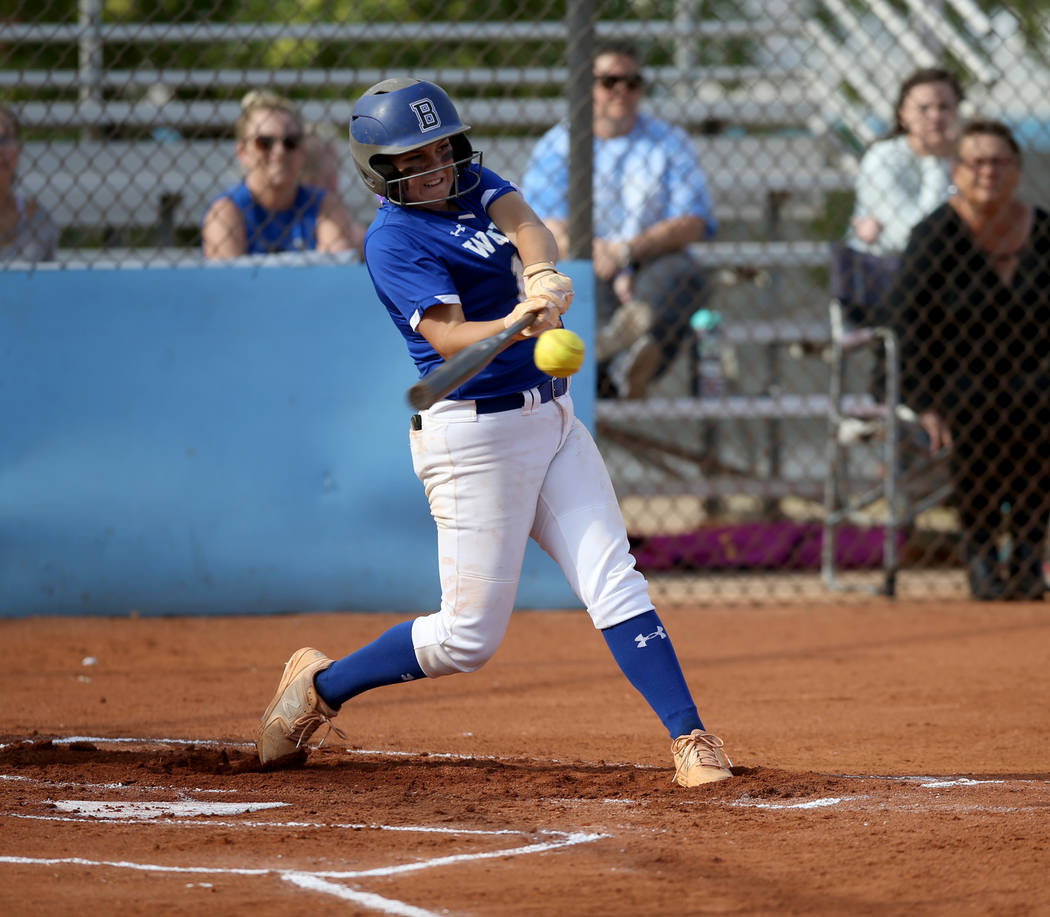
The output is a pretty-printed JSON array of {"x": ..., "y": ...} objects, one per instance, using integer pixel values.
[
  {"x": 140, "y": 867},
  {"x": 568, "y": 839},
  {"x": 315, "y": 880},
  {"x": 59, "y": 784},
  {"x": 169, "y": 813},
  {"x": 110, "y": 740},
  {"x": 367, "y": 899}
]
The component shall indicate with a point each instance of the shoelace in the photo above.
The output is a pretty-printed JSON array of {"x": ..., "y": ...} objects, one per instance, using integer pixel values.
[
  {"x": 703, "y": 748},
  {"x": 309, "y": 722}
]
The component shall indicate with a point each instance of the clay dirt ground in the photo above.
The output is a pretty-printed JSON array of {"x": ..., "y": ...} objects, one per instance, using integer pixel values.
[{"x": 890, "y": 759}]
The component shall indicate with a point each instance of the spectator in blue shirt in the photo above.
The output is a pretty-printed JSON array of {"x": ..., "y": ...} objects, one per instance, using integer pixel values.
[{"x": 651, "y": 200}]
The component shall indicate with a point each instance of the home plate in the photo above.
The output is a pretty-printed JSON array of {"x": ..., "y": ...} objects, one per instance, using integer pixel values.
[{"x": 186, "y": 808}]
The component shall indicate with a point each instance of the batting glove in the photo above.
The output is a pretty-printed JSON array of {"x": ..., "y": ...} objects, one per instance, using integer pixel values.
[
  {"x": 547, "y": 316},
  {"x": 543, "y": 279}
]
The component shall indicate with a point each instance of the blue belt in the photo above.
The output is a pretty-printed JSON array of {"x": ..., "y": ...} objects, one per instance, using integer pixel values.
[{"x": 551, "y": 388}]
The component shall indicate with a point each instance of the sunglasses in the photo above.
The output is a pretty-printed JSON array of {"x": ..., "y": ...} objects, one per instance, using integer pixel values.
[
  {"x": 264, "y": 143},
  {"x": 994, "y": 162},
  {"x": 631, "y": 81}
]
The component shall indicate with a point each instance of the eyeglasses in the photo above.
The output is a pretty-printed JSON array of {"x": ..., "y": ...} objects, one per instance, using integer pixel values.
[
  {"x": 264, "y": 143},
  {"x": 992, "y": 162},
  {"x": 631, "y": 81}
]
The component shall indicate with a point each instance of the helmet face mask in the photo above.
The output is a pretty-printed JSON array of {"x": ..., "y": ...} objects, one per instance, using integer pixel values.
[
  {"x": 400, "y": 115},
  {"x": 396, "y": 180}
]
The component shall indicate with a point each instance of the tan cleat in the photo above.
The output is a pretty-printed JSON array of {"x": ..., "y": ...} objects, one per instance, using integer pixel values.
[
  {"x": 296, "y": 709},
  {"x": 698, "y": 758}
]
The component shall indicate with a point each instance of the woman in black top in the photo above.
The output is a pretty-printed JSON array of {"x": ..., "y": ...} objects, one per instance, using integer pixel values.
[{"x": 971, "y": 304}]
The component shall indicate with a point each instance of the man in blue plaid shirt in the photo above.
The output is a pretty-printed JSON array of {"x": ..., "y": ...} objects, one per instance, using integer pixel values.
[{"x": 651, "y": 200}]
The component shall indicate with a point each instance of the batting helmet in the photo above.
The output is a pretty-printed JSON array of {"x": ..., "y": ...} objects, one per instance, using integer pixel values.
[{"x": 399, "y": 115}]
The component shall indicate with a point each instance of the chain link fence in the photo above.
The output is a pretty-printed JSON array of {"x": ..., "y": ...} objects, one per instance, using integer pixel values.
[{"x": 736, "y": 467}]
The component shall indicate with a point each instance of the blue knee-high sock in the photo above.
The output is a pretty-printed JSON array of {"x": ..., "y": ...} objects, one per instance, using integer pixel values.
[
  {"x": 646, "y": 656},
  {"x": 388, "y": 660}
]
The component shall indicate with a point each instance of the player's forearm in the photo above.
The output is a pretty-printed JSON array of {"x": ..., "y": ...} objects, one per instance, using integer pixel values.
[
  {"x": 560, "y": 230},
  {"x": 519, "y": 223},
  {"x": 448, "y": 333},
  {"x": 535, "y": 243}
]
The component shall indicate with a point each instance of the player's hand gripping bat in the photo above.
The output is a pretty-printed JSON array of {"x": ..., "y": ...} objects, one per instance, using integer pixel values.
[{"x": 469, "y": 361}]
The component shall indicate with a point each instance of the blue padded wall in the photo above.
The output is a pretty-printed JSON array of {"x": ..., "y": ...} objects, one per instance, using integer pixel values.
[{"x": 218, "y": 439}]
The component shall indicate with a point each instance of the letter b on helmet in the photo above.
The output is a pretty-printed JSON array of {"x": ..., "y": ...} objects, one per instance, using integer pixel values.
[{"x": 426, "y": 112}]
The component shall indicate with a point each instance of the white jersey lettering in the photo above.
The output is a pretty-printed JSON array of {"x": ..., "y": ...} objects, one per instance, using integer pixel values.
[
  {"x": 484, "y": 243},
  {"x": 480, "y": 244}
]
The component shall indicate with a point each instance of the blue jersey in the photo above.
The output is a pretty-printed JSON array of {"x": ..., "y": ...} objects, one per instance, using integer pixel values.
[
  {"x": 270, "y": 231},
  {"x": 418, "y": 258}
]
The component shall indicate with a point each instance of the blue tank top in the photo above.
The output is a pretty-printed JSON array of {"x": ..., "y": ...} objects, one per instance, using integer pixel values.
[{"x": 269, "y": 231}]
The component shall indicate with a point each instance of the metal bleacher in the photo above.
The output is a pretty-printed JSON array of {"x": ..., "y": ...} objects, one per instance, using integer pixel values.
[
  {"x": 140, "y": 150},
  {"x": 159, "y": 186}
]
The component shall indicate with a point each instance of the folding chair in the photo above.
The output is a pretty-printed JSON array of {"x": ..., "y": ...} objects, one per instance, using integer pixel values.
[{"x": 912, "y": 481}]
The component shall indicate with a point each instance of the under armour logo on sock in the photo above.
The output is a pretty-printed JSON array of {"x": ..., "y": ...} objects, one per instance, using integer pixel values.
[
  {"x": 407, "y": 676},
  {"x": 643, "y": 639}
]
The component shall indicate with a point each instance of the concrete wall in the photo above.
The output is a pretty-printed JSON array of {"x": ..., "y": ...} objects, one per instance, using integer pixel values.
[{"x": 217, "y": 439}]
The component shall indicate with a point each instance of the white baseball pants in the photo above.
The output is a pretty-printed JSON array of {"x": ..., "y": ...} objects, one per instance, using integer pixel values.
[{"x": 493, "y": 481}]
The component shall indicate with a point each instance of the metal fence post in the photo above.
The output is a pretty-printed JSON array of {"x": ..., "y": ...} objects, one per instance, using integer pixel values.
[
  {"x": 579, "y": 21},
  {"x": 89, "y": 46}
]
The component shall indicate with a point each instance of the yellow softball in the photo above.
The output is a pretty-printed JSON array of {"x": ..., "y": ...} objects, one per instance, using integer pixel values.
[{"x": 559, "y": 352}]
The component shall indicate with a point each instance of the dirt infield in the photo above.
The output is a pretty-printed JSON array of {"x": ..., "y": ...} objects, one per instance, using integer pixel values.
[{"x": 889, "y": 759}]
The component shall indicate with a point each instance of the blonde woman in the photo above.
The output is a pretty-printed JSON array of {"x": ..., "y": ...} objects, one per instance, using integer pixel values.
[
  {"x": 271, "y": 210},
  {"x": 27, "y": 232}
]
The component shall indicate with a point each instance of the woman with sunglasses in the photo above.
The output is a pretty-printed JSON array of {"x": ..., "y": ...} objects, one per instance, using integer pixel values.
[
  {"x": 971, "y": 304},
  {"x": 456, "y": 255},
  {"x": 271, "y": 210},
  {"x": 651, "y": 201},
  {"x": 27, "y": 231}
]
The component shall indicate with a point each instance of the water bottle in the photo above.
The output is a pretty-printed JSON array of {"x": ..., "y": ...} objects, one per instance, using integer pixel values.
[{"x": 707, "y": 324}]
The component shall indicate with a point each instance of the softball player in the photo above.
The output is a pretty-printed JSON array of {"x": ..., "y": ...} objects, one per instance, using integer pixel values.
[{"x": 456, "y": 255}]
